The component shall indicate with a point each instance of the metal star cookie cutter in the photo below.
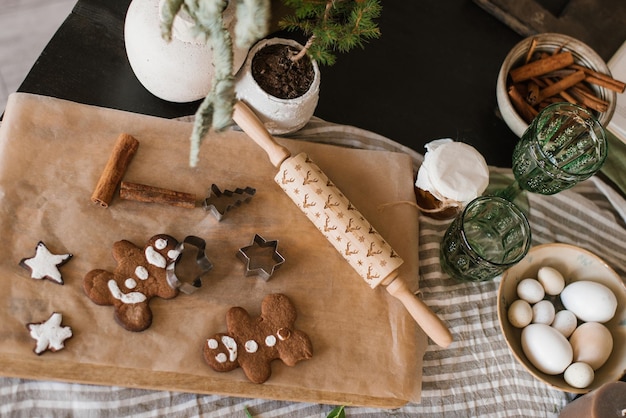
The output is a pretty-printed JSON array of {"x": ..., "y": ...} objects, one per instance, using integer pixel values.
[
  {"x": 218, "y": 202},
  {"x": 261, "y": 257},
  {"x": 189, "y": 266}
]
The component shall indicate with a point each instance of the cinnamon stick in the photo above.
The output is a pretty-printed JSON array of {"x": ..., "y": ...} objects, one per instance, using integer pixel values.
[
  {"x": 541, "y": 66},
  {"x": 526, "y": 111},
  {"x": 531, "y": 50},
  {"x": 152, "y": 194},
  {"x": 600, "y": 79},
  {"x": 123, "y": 151},
  {"x": 564, "y": 94},
  {"x": 588, "y": 100},
  {"x": 532, "y": 96},
  {"x": 561, "y": 85},
  {"x": 616, "y": 86}
]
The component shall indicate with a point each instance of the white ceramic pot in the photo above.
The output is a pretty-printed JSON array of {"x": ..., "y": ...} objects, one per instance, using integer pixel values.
[
  {"x": 549, "y": 42},
  {"x": 280, "y": 116},
  {"x": 177, "y": 71}
]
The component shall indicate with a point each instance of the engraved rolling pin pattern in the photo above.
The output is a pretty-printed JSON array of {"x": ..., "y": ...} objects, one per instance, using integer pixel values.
[{"x": 340, "y": 222}]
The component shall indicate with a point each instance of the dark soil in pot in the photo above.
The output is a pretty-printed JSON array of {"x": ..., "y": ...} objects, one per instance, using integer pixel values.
[{"x": 278, "y": 75}]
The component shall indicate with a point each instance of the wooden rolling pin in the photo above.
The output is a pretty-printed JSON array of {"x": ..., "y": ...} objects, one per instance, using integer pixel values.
[{"x": 366, "y": 251}]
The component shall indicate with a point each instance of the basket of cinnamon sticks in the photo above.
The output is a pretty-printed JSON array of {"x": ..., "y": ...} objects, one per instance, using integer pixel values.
[{"x": 549, "y": 68}]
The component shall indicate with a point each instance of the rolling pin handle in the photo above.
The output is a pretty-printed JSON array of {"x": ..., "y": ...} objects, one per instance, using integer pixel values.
[
  {"x": 430, "y": 323},
  {"x": 249, "y": 122}
]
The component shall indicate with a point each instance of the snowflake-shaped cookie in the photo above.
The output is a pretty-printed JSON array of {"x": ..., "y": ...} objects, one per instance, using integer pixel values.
[
  {"x": 50, "y": 335},
  {"x": 45, "y": 265}
]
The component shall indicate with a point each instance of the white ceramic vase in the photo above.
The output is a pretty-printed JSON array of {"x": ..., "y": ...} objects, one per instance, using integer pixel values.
[
  {"x": 280, "y": 116},
  {"x": 177, "y": 71}
]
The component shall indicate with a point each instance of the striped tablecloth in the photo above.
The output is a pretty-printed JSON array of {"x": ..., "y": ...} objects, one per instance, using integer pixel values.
[{"x": 475, "y": 377}]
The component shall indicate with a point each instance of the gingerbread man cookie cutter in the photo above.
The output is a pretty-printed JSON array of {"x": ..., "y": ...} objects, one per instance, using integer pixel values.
[
  {"x": 186, "y": 274},
  {"x": 261, "y": 257}
]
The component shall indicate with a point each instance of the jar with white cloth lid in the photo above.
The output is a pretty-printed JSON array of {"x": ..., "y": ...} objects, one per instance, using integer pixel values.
[{"x": 452, "y": 174}]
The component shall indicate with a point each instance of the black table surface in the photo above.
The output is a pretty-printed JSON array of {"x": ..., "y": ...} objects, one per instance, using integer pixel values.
[{"x": 432, "y": 74}]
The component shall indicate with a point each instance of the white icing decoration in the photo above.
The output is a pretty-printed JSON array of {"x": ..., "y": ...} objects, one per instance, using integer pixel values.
[
  {"x": 44, "y": 264},
  {"x": 221, "y": 358},
  {"x": 130, "y": 283},
  {"x": 155, "y": 258},
  {"x": 251, "y": 346},
  {"x": 270, "y": 341},
  {"x": 141, "y": 272},
  {"x": 231, "y": 346},
  {"x": 212, "y": 343},
  {"x": 283, "y": 334},
  {"x": 173, "y": 254},
  {"x": 50, "y": 334},
  {"x": 130, "y": 298},
  {"x": 160, "y": 243}
]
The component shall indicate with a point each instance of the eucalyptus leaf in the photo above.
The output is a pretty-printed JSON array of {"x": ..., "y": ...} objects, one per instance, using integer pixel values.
[
  {"x": 248, "y": 414},
  {"x": 338, "y": 412}
]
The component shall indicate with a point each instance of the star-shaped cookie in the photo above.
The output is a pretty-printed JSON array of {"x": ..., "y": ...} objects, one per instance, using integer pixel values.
[
  {"x": 45, "y": 265},
  {"x": 49, "y": 334}
]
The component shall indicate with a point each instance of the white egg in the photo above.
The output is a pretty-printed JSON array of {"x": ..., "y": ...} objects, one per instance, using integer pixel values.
[
  {"x": 520, "y": 313},
  {"x": 579, "y": 375},
  {"x": 551, "y": 280},
  {"x": 592, "y": 343},
  {"x": 543, "y": 312},
  {"x": 530, "y": 290},
  {"x": 565, "y": 322},
  {"x": 589, "y": 301},
  {"x": 546, "y": 348}
]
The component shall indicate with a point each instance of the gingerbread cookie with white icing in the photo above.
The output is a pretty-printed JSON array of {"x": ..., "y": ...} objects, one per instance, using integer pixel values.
[
  {"x": 139, "y": 276},
  {"x": 253, "y": 343}
]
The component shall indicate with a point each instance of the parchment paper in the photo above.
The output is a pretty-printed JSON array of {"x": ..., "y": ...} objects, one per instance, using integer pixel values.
[{"x": 52, "y": 152}]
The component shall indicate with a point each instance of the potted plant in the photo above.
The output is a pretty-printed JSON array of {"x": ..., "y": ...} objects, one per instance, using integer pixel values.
[
  {"x": 283, "y": 93},
  {"x": 329, "y": 25},
  {"x": 280, "y": 78}
]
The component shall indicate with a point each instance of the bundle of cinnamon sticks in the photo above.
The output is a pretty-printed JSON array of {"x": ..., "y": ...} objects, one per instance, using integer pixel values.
[{"x": 545, "y": 78}]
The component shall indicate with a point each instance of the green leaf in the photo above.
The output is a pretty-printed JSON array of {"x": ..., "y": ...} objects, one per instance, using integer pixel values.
[
  {"x": 248, "y": 414},
  {"x": 338, "y": 412}
]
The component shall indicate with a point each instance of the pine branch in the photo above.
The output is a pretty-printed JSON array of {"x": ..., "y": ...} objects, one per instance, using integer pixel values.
[{"x": 333, "y": 25}]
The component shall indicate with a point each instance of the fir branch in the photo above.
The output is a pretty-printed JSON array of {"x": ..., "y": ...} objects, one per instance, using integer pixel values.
[{"x": 333, "y": 25}]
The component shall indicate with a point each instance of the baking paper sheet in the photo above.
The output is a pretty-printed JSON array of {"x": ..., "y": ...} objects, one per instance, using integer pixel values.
[{"x": 367, "y": 349}]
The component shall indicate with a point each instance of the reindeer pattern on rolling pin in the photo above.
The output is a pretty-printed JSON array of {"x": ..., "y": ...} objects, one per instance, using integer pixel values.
[{"x": 337, "y": 219}]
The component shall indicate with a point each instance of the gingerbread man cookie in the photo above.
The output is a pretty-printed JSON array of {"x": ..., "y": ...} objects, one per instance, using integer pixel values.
[
  {"x": 253, "y": 343},
  {"x": 139, "y": 276}
]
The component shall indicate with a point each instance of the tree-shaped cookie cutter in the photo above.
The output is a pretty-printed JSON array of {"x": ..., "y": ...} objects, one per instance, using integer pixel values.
[
  {"x": 218, "y": 202},
  {"x": 261, "y": 257}
]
